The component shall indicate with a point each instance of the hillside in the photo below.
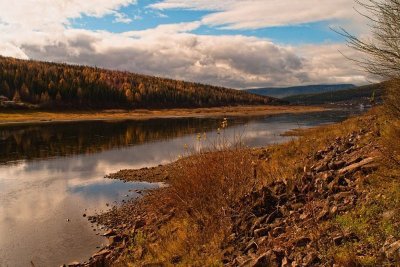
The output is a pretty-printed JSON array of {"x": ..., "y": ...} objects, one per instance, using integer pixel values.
[
  {"x": 362, "y": 94},
  {"x": 298, "y": 90},
  {"x": 52, "y": 85}
]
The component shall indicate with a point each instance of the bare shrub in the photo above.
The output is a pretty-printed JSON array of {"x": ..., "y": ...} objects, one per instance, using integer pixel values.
[{"x": 383, "y": 58}]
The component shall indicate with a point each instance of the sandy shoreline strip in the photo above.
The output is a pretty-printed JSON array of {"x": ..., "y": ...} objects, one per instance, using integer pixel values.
[{"x": 31, "y": 117}]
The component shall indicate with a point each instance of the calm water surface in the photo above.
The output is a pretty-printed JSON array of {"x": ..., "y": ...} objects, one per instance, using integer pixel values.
[{"x": 51, "y": 174}]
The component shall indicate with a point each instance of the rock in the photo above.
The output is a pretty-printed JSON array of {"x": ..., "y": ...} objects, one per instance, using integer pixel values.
[
  {"x": 285, "y": 262},
  {"x": 333, "y": 210},
  {"x": 387, "y": 215},
  {"x": 323, "y": 214},
  {"x": 338, "y": 240},
  {"x": 228, "y": 251},
  {"x": 250, "y": 246},
  {"x": 74, "y": 264},
  {"x": 349, "y": 237},
  {"x": 356, "y": 166},
  {"x": 302, "y": 241},
  {"x": 261, "y": 261},
  {"x": 258, "y": 222},
  {"x": 261, "y": 232},
  {"x": 176, "y": 259},
  {"x": 84, "y": 215},
  {"x": 342, "y": 195},
  {"x": 311, "y": 259},
  {"x": 277, "y": 231},
  {"x": 392, "y": 251},
  {"x": 113, "y": 240},
  {"x": 110, "y": 232},
  {"x": 321, "y": 167},
  {"x": 102, "y": 253},
  {"x": 303, "y": 216},
  {"x": 140, "y": 223}
]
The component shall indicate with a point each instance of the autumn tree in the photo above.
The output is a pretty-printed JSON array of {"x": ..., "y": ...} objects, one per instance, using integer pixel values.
[
  {"x": 17, "y": 97},
  {"x": 5, "y": 89},
  {"x": 24, "y": 91}
]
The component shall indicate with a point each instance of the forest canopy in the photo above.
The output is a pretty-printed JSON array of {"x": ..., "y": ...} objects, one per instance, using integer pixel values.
[{"x": 54, "y": 85}]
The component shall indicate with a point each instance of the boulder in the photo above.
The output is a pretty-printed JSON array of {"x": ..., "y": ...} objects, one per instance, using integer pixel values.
[{"x": 356, "y": 166}]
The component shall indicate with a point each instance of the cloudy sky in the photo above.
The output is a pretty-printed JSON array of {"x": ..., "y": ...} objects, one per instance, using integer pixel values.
[{"x": 234, "y": 43}]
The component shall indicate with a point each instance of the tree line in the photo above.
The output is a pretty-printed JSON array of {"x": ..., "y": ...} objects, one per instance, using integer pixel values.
[{"x": 54, "y": 85}]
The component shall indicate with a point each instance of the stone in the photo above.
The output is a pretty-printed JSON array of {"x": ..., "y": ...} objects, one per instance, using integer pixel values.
[
  {"x": 110, "y": 232},
  {"x": 261, "y": 261},
  {"x": 302, "y": 241},
  {"x": 250, "y": 246},
  {"x": 311, "y": 259},
  {"x": 356, "y": 166},
  {"x": 176, "y": 259},
  {"x": 323, "y": 214},
  {"x": 285, "y": 262},
  {"x": 392, "y": 251},
  {"x": 322, "y": 167},
  {"x": 74, "y": 264},
  {"x": 277, "y": 231},
  {"x": 113, "y": 240},
  {"x": 338, "y": 240},
  {"x": 140, "y": 223},
  {"x": 101, "y": 253},
  {"x": 261, "y": 232},
  {"x": 333, "y": 210}
]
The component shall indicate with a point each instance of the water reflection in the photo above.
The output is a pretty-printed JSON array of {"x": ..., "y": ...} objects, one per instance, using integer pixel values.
[
  {"x": 37, "y": 197},
  {"x": 62, "y": 139}
]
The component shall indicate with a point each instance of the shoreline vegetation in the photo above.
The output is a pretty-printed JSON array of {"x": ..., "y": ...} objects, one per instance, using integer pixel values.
[
  {"x": 8, "y": 117},
  {"x": 306, "y": 202}
]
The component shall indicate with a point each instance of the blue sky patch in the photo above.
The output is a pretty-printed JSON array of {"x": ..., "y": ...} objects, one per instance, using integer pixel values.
[{"x": 143, "y": 17}]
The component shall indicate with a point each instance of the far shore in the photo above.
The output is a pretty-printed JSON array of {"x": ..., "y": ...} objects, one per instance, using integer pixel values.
[{"x": 9, "y": 117}]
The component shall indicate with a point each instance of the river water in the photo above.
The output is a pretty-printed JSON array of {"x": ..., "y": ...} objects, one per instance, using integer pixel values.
[{"x": 52, "y": 174}]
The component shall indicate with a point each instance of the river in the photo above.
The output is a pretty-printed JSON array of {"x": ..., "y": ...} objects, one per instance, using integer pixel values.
[{"x": 53, "y": 174}]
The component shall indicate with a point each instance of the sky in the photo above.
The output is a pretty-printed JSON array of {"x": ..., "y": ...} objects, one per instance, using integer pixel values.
[{"x": 232, "y": 43}]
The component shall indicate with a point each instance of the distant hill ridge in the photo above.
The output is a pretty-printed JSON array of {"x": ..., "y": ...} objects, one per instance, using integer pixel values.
[
  {"x": 282, "y": 92},
  {"x": 362, "y": 94},
  {"x": 54, "y": 85}
]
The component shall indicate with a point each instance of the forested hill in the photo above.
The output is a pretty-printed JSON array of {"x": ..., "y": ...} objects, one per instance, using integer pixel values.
[
  {"x": 53, "y": 85},
  {"x": 358, "y": 95},
  {"x": 299, "y": 90}
]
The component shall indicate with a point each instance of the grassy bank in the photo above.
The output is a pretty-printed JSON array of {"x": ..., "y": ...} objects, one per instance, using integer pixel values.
[
  {"x": 323, "y": 198},
  {"x": 13, "y": 117}
]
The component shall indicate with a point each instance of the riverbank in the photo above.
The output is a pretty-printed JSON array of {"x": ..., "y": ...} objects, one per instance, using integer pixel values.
[
  {"x": 25, "y": 117},
  {"x": 304, "y": 203}
]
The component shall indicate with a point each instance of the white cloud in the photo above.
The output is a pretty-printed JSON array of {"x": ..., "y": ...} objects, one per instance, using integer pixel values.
[
  {"x": 122, "y": 18},
  {"x": 233, "y": 61},
  {"x": 51, "y": 15},
  {"x": 39, "y": 30},
  {"x": 253, "y": 14}
]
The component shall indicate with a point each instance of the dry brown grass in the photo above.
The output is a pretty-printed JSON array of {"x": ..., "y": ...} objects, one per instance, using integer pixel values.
[
  {"x": 209, "y": 183},
  {"x": 391, "y": 128},
  {"x": 287, "y": 161},
  {"x": 29, "y": 116}
]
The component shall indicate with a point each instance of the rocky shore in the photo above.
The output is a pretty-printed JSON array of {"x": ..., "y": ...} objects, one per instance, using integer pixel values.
[{"x": 290, "y": 222}]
